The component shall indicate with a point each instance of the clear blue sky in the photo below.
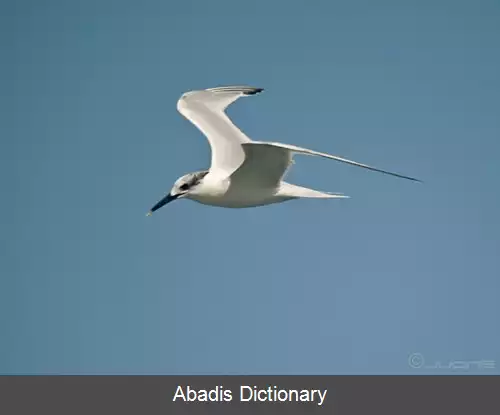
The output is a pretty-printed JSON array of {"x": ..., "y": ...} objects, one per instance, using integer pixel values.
[{"x": 90, "y": 139}]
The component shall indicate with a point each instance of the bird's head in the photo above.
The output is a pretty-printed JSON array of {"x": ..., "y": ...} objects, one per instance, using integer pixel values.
[{"x": 182, "y": 187}]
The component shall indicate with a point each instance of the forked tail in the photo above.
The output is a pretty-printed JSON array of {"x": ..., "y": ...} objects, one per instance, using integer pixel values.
[{"x": 292, "y": 190}]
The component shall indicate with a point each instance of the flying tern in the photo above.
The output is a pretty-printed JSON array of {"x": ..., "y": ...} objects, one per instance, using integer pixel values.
[{"x": 243, "y": 173}]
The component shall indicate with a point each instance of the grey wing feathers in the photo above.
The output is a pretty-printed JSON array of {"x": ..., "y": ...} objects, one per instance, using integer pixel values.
[
  {"x": 246, "y": 90},
  {"x": 263, "y": 167}
]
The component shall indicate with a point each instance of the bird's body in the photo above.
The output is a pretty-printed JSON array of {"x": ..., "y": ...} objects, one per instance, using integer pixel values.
[
  {"x": 243, "y": 173},
  {"x": 223, "y": 193},
  {"x": 237, "y": 198}
]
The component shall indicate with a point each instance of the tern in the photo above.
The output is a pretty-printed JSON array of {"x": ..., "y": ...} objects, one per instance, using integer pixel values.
[{"x": 243, "y": 173}]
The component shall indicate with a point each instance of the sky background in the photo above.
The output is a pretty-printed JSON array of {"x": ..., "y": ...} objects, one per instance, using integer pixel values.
[{"x": 91, "y": 139}]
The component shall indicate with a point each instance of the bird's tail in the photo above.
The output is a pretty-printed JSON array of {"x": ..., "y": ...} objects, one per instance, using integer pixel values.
[{"x": 295, "y": 191}]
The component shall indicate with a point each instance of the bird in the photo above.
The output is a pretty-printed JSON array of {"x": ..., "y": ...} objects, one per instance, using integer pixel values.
[{"x": 243, "y": 173}]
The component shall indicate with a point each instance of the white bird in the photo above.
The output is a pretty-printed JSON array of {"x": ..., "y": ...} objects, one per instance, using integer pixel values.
[{"x": 243, "y": 173}]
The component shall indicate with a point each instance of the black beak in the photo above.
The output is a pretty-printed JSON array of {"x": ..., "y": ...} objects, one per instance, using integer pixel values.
[{"x": 167, "y": 199}]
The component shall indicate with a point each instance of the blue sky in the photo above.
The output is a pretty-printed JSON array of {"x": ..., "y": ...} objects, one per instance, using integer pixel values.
[{"x": 91, "y": 139}]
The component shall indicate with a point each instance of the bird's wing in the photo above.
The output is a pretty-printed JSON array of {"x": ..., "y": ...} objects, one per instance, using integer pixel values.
[
  {"x": 206, "y": 110},
  {"x": 264, "y": 166},
  {"x": 266, "y": 163}
]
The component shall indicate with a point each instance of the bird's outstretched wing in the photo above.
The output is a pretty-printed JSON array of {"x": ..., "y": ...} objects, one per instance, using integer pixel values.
[
  {"x": 266, "y": 164},
  {"x": 206, "y": 110},
  {"x": 301, "y": 150},
  {"x": 263, "y": 167}
]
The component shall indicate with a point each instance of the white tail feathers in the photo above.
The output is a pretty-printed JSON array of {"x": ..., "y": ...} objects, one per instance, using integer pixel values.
[{"x": 292, "y": 190}]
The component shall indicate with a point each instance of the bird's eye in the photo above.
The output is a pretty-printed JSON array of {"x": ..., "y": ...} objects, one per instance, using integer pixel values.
[{"x": 185, "y": 186}]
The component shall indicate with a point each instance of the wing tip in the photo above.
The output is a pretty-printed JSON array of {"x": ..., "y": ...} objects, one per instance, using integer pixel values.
[
  {"x": 412, "y": 179},
  {"x": 245, "y": 90},
  {"x": 254, "y": 91}
]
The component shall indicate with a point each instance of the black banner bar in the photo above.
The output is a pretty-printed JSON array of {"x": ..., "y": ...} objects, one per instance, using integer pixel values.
[{"x": 343, "y": 395}]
